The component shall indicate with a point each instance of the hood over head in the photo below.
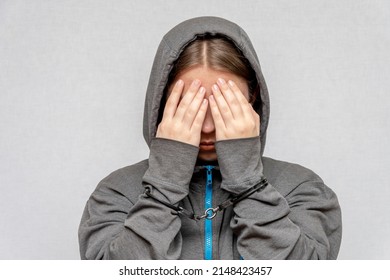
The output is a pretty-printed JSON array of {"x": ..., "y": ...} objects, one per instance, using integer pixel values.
[{"x": 169, "y": 51}]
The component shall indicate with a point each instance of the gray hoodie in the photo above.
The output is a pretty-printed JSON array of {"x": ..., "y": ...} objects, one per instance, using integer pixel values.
[{"x": 296, "y": 216}]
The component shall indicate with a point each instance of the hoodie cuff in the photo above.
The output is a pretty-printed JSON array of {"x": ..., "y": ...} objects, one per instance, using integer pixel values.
[
  {"x": 240, "y": 163},
  {"x": 171, "y": 165}
]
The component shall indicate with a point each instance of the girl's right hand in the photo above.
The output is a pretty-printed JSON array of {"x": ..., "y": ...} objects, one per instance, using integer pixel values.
[{"x": 182, "y": 120}]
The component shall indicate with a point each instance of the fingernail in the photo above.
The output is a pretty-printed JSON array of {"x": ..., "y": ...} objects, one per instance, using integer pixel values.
[
  {"x": 221, "y": 81},
  {"x": 179, "y": 82},
  {"x": 202, "y": 90},
  {"x": 231, "y": 83},
  {"x": 215, "y": 87},
  {"x": 196, "y": 82}
]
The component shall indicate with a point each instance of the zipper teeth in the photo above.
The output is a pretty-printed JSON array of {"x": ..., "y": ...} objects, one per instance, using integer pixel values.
[{"x": 208, "y": 223}]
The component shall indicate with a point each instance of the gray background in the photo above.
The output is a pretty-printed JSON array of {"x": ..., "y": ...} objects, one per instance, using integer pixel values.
[{"x": 73, "y": 76}]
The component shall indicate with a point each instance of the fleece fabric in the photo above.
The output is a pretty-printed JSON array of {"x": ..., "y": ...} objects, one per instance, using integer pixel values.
[{"x": 296, "y": 216}]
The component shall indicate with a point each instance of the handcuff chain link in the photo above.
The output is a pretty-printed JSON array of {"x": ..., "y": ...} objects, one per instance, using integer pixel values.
[{"x": 214, "y": 211}]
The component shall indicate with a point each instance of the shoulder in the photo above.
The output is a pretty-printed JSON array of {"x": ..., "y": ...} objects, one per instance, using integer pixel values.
[
  {"x": 126, "y": 181},
  {"x": 295, "y": 173},
  {"x": 289, "y": 178}
]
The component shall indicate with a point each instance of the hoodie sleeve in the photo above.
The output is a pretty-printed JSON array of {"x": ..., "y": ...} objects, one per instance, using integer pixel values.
[
  {"x": 114, "y": 227},
  {"x": 303, "y": 224}
]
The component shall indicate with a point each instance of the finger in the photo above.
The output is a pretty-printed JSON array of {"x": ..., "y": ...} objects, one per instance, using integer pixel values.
[
  {"x": 187, "y": 99},
  {"x": 238, "y": 93},
  {"x": 173, "y": 99},
  {"x": 200, "y": 116},
  {"x": 222, "y": 105},
  {"x": 216, "y": 114},
  {"x": 194, "y": 106},
  {"x": 242, "y": 100},
  {"x": 231, "y": 99}
]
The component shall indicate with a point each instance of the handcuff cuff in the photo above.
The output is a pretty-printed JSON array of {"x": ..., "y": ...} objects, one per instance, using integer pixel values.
[{"x": 210, "y": 213}]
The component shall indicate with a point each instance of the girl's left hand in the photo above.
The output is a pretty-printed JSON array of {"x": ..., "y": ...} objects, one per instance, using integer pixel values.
[{"x": 234, "y": 117}]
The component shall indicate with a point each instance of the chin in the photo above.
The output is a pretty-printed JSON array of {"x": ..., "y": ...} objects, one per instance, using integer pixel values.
[{"x": 207, "y": 156}]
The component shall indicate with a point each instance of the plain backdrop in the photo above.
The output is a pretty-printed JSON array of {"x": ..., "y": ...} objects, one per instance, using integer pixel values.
[{"x": 73, "y": 76}]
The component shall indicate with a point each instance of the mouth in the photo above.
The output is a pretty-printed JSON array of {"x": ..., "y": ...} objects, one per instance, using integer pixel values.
[{"x": 207, "y": 146}]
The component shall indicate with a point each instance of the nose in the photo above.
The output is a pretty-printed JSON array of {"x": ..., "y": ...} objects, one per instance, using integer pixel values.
[{"x": 208, "y": 123}]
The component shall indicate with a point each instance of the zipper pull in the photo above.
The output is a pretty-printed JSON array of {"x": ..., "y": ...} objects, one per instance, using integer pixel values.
[{"x": 209, "y": 174}]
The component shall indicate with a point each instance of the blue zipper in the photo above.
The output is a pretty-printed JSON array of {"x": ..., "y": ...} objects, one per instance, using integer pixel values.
[{"x": 208, "y": 226}]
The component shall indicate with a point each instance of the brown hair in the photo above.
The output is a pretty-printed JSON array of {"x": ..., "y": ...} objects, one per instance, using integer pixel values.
[{"x": 219, "y": 53}]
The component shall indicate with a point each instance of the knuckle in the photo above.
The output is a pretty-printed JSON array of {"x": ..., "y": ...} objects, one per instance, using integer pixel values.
[
  {"x": 176, "y": 127},
  {"x": 234, "y": 102},
  {"x": 241, "y": 130},
  {"x": 190, "y": 112},
  {"x": 224, "y": 109},
  {"x": 169, "y": 103}
]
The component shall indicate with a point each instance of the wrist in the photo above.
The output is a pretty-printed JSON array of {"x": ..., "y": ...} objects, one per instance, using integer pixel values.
[
  {"x": 171, "y": 165},
  {"x": 240, "y": 163}
]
